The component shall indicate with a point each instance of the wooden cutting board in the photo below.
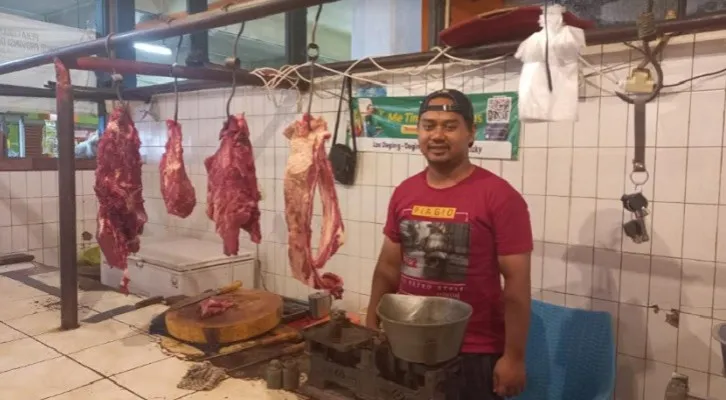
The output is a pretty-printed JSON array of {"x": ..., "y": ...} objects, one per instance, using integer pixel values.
[{"x": 255, "y": 313}]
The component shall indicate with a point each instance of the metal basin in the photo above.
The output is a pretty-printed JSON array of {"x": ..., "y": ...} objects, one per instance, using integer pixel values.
[{"x": 427, "y": 330}]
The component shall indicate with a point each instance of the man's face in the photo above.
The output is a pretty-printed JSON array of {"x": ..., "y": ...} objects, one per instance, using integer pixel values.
[{"x": 443, "y": 135}]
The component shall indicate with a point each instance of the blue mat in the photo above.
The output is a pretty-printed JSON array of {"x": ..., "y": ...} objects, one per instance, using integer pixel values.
[{"x": 570, "y": 354}]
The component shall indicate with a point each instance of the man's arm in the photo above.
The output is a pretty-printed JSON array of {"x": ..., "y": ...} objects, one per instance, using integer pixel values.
[
  {"x": 385, "y": 278},
  {"x": 517, "y": 303}
]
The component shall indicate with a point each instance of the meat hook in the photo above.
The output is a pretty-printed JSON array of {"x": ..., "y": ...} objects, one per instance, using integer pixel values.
[
  {"x": 313, "y": 55},
  {"x": 646, "y": 32},
  {"x": 115, "y": 78},
  {"x": 234, "y": 63},
  {"x": 547, "y": 48},
  {"x": 171, "y": 72}
]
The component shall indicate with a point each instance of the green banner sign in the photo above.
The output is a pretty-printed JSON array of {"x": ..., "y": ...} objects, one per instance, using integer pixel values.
[{"x": 389, "y": 124}]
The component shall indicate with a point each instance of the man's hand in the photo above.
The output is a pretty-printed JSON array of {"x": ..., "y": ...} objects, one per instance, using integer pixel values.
[
  {"x": 372, "y": 320},
  {"x": 385, "y": 278},
  {"x": 509, "y": 373},
  {"x": 509, "y": 376}
]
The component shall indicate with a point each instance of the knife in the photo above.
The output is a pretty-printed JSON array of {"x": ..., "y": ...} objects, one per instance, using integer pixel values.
[
  {"x": 124, "y": 309},
  {"x": 196, "y": 299},
  {"x": 15, "y": 258}
]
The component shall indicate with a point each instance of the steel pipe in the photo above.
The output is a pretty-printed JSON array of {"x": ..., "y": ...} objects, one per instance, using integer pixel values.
[
  {"x": 65, "y": 128},
  {"x": 146, "y": 68},
  {"x": 182, "y": 87},
  {"x": 79, "y": 93},
  {"x": 254, "y": 9}
]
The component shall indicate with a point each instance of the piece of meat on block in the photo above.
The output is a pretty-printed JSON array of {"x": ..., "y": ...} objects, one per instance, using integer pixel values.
[
  {"x": 176, "y": 187},
  {"x": 121, "y": 214},
  {"x": 214, "y": 306},
  {"x": 308, "y": 169},
  {"x": 232, "y": 193}
]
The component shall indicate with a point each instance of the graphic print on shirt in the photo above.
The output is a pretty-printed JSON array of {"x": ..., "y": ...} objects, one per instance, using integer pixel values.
[{"x": 435, "y": 242}]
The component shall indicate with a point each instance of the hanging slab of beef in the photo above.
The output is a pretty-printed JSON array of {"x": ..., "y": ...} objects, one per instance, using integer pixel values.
[
  {"x": 176, "y": 187},
  {"x": 232, "y": 193},
  {"x": 308, "y": 169},
  {"x": 121, "y": 214}
]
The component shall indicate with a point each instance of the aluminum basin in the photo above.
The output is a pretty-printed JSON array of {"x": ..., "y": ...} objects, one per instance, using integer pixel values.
[{"x": 421, "y": 329}]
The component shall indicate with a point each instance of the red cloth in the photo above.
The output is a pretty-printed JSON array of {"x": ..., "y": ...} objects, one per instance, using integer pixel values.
[
  {"x": 502, "y": 25},
  {"x": 451, "y": 238}
]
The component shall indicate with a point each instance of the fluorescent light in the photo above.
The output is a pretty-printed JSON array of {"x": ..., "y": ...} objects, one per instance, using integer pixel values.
[{"x": 153, "y": 48}]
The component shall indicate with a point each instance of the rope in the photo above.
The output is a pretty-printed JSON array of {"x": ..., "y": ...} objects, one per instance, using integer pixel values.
[{"x": 272, "y": 78}]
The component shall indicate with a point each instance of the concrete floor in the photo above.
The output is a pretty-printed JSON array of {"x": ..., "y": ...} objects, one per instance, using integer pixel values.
[{"x": 112, "y": 359}]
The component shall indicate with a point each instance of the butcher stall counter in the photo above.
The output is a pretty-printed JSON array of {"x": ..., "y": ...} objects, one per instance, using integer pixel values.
[{"x": 248, "y": 331}]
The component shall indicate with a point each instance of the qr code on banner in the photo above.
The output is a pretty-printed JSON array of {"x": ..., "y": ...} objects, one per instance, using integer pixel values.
[{"x": 498, "y": 109}]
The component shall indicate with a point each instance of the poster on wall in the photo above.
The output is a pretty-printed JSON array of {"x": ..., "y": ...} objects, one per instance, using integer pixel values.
[
  {"x": 389, "y": 124},
  {"x": 22, "y": 37}
]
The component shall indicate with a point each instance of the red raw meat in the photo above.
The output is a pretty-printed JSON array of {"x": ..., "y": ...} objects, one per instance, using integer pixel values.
[
  {"x": 232, "y": 193},
  {"x": 121, "y": 214},
  {"x": 307, "y": 168},
  {"x": 176, "y": 187},
  {"x": 211, "y": 307}
]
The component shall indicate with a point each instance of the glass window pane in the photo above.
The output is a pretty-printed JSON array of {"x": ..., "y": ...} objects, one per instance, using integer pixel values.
[
  {"x": 608, "y": 12},
  {"x": 334, "y": 33},
  {"x": 29, "y": 27},
  {"x": 160, "y": 51},
  {"x": 262, "y": 43},
  {"x": 699, "y": 7},
  {"x": 353, "y": 29}
]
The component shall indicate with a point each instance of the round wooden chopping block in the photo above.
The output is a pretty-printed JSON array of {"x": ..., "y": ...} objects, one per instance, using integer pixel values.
[{"x": 255, "y": 313}]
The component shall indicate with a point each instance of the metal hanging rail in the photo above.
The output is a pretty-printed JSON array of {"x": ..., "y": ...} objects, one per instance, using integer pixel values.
[
  {"x": 79, "y": 93},
  {"x": 254, "y": 9},
  {"x": 146, "y": 68}
]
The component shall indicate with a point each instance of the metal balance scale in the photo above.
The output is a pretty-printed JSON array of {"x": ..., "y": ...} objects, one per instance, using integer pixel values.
[{"x": 416, "y": 359}]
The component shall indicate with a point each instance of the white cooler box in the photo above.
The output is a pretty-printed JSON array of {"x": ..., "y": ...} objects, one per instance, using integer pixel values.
[{"x": 170, "y": 266}]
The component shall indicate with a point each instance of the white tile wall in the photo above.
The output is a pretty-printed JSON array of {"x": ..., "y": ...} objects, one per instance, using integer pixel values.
[{"x": 29, "y": 212}]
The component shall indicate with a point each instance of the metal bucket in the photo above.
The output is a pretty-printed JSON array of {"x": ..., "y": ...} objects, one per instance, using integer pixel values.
[
  {"x": 719, "y": 335},
  {"x": 427, "y": 330}
]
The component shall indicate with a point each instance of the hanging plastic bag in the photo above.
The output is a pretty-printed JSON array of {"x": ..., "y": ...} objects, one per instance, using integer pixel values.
[{"x": 550, "y": 96}]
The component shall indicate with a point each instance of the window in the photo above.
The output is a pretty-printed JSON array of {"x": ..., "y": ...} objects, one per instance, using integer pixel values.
[
  {"x": 610, "y": 12},
  {"x": 32, "y": 137},
  {"x": 335, "y": 30},
  {"x": 262, "y": 43},
  {"x": 698, "y": 7},
  {"x": 27, "y": 124},
  {"x": 161, "y": 51},
  {"x": 351, "y": 29}
]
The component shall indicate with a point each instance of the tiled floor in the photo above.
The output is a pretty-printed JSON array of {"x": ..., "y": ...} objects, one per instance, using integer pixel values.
[{"x": 113, "y": 359}]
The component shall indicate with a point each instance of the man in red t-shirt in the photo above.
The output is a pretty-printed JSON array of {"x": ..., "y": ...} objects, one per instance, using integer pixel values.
[{"x": 452, "y": 230}]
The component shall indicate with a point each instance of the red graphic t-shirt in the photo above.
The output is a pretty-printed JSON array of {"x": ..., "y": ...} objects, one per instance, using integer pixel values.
[{"x": 451, "y": 238}]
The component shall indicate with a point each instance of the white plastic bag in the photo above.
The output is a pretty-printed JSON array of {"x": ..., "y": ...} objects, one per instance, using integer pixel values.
[{"x": 536, "y": 102}]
